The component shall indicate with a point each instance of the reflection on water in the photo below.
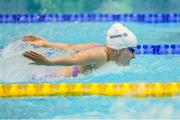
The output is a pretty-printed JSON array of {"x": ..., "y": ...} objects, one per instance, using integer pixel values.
[{"x": 89, "y": 6}]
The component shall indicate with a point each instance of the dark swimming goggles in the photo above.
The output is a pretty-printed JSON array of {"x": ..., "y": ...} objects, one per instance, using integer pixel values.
[{"x": 132, "y": 50}]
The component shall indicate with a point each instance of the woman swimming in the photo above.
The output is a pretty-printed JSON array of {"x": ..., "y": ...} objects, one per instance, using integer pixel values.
[{"x": 120, "y": 47}]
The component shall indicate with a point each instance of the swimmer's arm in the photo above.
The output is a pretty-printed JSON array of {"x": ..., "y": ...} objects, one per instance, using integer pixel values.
[
  {"x": 73, "y": 47},
  {"x": 78, "y": 59},
  {"x": 82, "y": 58},
  {"x": 42, "y": 42}
]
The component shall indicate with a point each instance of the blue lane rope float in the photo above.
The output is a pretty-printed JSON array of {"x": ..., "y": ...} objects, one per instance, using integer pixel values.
[
  {"x": 164, "y": 49},
  {"x": 35, "y": 18},
  {"x": 80, "y": 89},
  {"x": 158, "y": 49}
]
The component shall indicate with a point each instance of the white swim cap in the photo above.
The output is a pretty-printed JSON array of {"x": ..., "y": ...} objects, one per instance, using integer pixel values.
[{"x": 119, "y": 37}]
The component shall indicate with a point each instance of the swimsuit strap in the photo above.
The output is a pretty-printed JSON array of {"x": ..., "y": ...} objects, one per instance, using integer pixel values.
[
  {"x": 75, "y": 71},
  {"x": 95, "y": 46}
]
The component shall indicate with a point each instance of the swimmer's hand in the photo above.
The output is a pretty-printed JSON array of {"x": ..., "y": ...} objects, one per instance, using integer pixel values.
[
  {"x": 37, "y": 58},
  {"x": 35, "y": 41}
]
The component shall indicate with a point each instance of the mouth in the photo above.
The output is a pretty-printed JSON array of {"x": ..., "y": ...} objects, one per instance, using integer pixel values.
[{"x": 128, "y": 62}]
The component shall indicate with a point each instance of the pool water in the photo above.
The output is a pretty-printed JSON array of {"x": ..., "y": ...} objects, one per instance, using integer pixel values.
[
  {"x": 89, "y": 107},
  {"x": 144, "y": 68}
]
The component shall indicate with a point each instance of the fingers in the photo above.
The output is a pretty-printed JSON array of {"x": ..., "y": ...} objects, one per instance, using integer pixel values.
[
  {"x": 30, "y": 56},
  {"x": 30, "y": 38},
  {"x": 35, "y": 57},
  {"x": 32, "y": 63},
  {"x": 33, "y": 54}
]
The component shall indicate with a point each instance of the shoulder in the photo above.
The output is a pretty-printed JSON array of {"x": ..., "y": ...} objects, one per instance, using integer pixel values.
[
  {"x": 95, "y": 55},
  {"x": 99, "y": 53}
]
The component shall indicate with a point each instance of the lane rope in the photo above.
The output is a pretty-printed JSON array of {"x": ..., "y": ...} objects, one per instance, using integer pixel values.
[
  {"x": 132, "y": 17},
  {"x": 81, "y": 89},
  {"x": 163, "y": 49}
]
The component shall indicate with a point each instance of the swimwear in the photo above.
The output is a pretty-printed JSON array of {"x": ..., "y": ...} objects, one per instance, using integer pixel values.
[{"x": 75, "y": 71}]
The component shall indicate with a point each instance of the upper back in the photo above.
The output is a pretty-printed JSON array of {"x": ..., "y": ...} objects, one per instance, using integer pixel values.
[{"x": 96, "y": 54}]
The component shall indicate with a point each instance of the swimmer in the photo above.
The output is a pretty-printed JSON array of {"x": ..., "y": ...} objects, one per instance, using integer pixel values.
[{"x": 120, "y": 47}]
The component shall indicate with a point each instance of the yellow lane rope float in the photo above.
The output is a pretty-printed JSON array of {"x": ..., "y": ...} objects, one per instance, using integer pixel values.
[{"x": 81, "y": 89}]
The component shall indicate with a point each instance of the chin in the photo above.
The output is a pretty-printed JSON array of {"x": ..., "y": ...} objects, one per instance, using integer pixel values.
[
  {"x": 127, "y": 63},
  {"x": 123, "y": 64}
]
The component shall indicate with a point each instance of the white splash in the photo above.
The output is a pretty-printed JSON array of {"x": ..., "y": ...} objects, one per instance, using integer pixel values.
[{"x": 14, "y": 67}]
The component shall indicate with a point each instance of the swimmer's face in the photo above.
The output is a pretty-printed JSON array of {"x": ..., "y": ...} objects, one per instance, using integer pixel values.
[{"x": 125, "y": 55}]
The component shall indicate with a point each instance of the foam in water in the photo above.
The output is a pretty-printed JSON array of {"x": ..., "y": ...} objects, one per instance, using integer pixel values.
[{"x": 14, "y": 67}]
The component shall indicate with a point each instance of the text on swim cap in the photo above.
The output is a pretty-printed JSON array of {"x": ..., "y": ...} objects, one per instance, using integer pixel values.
[{"x": 119, "y": 35}]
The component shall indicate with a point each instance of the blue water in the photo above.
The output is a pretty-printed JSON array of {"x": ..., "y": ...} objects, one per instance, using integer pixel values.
[
  {"x": 86, "y": 6},
  {"x": 144, "y": 68}
]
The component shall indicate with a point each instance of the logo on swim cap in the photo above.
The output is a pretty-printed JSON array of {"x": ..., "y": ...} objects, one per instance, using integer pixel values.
[
  {"x": 119, "y": 37},
  {"x": 125, "y": 34}
]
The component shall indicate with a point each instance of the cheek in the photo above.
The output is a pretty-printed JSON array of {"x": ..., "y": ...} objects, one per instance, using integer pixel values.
[
  {"x": 120, "y": 59},
  {"x": 129, "y": 55}
]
